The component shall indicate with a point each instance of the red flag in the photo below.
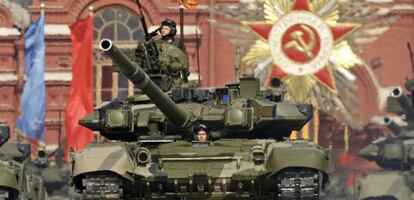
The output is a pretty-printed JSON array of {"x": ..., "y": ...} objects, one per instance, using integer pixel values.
[
  {"x": 80, "y": 100},
  {"x": 345, "y": 158}
]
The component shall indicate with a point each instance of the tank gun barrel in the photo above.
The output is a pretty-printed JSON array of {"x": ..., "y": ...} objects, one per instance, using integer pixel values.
[
  {"x": 176, "y": 115},
  {"x": 394, "y": 127},
  {"x": 404, "y": 103}
]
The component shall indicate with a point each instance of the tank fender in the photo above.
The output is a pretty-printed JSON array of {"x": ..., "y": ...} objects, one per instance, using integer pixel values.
[
  {"x": 382, "y": 184},
  {"x": 110, "y": 158},
  {"x": 286, "y": 155},
  {"x": 9, "y": 177}
]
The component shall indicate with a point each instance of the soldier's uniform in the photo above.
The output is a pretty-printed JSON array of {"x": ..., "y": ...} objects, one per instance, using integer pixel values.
[{"x": 173, "y": 60}]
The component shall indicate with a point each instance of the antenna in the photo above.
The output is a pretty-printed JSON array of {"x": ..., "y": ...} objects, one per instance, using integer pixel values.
[
  {"x": 198, "y": 49},
  {"x": 142, "y": 18},
  {"x": 411, "y": 57},
  {"x": 237, "y": 62},
  {"x": 412, "y": 71},
  {"x": 182, "y": 28}
]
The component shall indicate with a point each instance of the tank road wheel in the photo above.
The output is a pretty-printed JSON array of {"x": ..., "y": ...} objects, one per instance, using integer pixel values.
[
  {"x": 6, "y": 193},
  {"x": 102, "y": 186},
  {"x": 298, "y": 184}
]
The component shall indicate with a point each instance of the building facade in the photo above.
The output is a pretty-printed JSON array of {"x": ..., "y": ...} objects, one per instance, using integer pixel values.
[{"x": 118, "y": 20}]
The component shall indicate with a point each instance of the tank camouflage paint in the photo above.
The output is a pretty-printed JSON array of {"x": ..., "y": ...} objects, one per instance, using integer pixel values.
[
  {"x": 384, "y": 185},
  {"x": 55, "y": 174},
  {"x": 16, "y": 179},
  {"x": 395, "y": 156},
  {"x": 152, "y": 154}
]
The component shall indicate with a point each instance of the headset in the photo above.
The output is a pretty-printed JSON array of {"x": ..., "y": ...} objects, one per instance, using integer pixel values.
[{"x": 170, "y": 23}]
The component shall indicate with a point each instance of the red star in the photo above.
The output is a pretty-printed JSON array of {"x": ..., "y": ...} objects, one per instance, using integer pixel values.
[{"x": 339, "y": 31}]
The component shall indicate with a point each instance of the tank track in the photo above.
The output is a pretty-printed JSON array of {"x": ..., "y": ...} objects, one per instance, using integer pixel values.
[
  {"x": 4, "y": 193},
  {"x": 102, "y": 186},
  {"x": 298, "y": 184}
]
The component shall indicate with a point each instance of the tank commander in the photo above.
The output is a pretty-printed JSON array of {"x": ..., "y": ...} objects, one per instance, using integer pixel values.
[
  {"x": 176, "y": 62},
  {"x": 168, "y": 30}
]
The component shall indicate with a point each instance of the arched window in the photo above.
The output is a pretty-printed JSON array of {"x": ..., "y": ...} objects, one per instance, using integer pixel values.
[{"x": 123, "y": 27}]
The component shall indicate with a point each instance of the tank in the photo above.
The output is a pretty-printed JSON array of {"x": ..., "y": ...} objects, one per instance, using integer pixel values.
[
  {"x": 55, "y": 174},
  {"x": 393, "y": 154},
  {"x": 152, "y": 154},
  {"x": 16, "y": 179}
]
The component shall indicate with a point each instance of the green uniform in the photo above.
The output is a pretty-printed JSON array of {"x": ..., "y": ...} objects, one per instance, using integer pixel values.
[{"x": 174, "y": 60}]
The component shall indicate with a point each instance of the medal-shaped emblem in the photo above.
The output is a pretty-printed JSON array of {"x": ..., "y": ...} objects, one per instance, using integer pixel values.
[{"x": 301, "y": 42}]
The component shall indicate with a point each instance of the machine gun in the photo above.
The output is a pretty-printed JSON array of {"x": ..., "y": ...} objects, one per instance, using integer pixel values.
[
  {"x": 165, "y": 63},
  {"x": 146, "y": 50}
]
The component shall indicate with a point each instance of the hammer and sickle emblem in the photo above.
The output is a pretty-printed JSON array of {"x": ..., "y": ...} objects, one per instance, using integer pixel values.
[{"x": 299, "y": 44}]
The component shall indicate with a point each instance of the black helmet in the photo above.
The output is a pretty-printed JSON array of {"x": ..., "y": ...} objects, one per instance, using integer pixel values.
[
  {"x": 201, "y": 127},
  {"x": 170, "y": 23}
]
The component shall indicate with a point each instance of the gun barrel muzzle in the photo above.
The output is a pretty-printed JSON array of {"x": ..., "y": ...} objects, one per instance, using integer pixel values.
[
  {"x": 404, "y": 102},
  {"x": 394, "y": 127}
]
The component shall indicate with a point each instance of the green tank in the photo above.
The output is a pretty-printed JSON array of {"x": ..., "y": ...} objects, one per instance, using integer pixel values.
[
  {"x": 55, "y": 174},
  {"x": 152, "y": 153},
  {"x": 394, "y": 154},
  {"x": 16, "y": 179}
]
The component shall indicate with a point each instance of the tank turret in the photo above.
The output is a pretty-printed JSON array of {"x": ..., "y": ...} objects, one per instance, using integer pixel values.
[
  {"x": 394, "y": 154},
  {"x": 238, "y": 110},
  {"x": 18, "y": 152},
  {"x": 391, "y": 152}
]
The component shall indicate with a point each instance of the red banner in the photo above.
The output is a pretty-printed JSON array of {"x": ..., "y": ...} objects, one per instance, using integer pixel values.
[{"x": 80, "y": 99}]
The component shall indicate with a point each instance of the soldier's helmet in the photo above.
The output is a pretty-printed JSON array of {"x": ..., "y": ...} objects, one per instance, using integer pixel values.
[{"x": 172, "y": 25}]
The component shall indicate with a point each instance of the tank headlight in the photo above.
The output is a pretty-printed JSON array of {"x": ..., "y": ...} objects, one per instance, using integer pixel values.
[
  {"x": 118, "y": 119},
  {"x": 142, "y": 156},
  {"x": 258, "y": 156}
]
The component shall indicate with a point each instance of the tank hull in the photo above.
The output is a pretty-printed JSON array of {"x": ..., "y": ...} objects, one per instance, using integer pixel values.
[
  {"x": 9, "y": 183},
  {"x": 227, "y": 168}
]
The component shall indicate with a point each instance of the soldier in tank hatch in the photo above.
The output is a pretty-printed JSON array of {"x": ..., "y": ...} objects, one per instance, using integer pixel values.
[
  {"x": 201, "y": 133},
  {"x": 174, "y": 60},
  {"x": 168, "y": 30}
]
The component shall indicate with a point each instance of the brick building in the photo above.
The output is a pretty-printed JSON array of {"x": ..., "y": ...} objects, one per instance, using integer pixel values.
[{"x": 118, "y": 20}]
